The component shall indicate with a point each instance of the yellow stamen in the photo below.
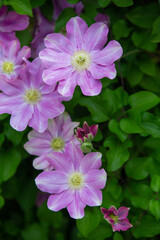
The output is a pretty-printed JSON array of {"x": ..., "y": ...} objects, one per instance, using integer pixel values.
[
  {"x": 32, "y": 96},
  {"x": 57, "y": 144},
  {"x": 7, "y": 67}
]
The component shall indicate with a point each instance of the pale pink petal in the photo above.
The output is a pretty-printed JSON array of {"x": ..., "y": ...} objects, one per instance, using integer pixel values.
[
  {"x": 37, "y": 146},
  {"x": 34, "y": 134},
  {"x": 52, "y": 181},
  {"x": 122, "y": 225},
  {"x": 38, "y": 121},
  {"x": 99, "y": 71},
  {"x": 91, "y": 196},
  {"x": 109, "y": 54},
  {"x": 58, "y": 42},
  {"x": 95, "y": 37},
  {"x": 89, "y": 85},
  {"x": 122, "y": 212},
  {"x": 25, "y": 52},
  {"x": 45, "y": 89},
  {"x": 12, "y": 48},
  {"x": 68, "y": 130},
  {"x": 51, "y": 76},
  {"x": 61, "y": 162},
  {"x": 42, "y": 163},
  {"x": 52, "y": 128},
  {"x": 35, "y": 73},
  {"x": 96, "y": 178},
  {"x": 66, "y": 87},
  {"x": 54, "y": 60},
  {"x": 61, "y": 200},
  {"x": 8, "y": 104},
  {"x": 75, "y": 154},
  {"x": 15, "y": 88},
  {"x": 76, "y": 207},
  {"x": 19, "y": 120},
  {"x": 91, "y": 161},
  {"x": 76, "y": 28}
]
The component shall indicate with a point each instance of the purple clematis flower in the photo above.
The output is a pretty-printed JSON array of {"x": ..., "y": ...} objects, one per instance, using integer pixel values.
[
  {"x": 12, "y": 59},
  {"x": 75, "y": 182},
  {"x": 117, "y": 218},
  {"x": 54, "y": 139},
  {"x": 43, "y": 27},
  {"x": 59, "y": 5},
  {"x": 11, "y": 22},
  {"x": 79, "y": 58},
  {"x": 29, "y": 100}
]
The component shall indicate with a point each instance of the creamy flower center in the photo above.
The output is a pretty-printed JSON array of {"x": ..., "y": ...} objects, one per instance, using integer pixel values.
[
  {"x": 7, "y": 67},
  {"x": 76, "y": 180},
  {"x": 32, "y": 96},
  {"x": 57, "y": 144},
  {"x": 81, "y": 60},
  {"x": 114, "y": 217}
]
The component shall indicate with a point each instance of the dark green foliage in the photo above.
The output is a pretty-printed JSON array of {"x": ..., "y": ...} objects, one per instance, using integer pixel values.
[{"x": 128, "y": 114}]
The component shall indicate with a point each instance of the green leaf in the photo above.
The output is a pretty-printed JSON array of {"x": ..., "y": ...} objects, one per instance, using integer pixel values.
[
  {"x": 104, "y": 3},
  {"x": 25, "y": 37},
  {"x": 89, "y": 222},
  {"x": 147, "y": 227},
  {"x": 151, "y": 124},
  {"x": 96, "y": 106},
  {"x": 20, "y": 6},
  {"x": 34, "y": 232},
  {"x": 154, "y": 206},
  {"x": 138, "y": 168},
  {"x": 12, "y": 135},
  {"x": 156, "y": 31},
  {"x": 123, "y": 3},
  {"x": 117, "y": 155},
  {"x": 143, "y": 16},
  {"x": 134, "y": 75},
  {"x": 117, "y": 236},
  {"x": 142, "y": 39},
  {"x": 63, "y": 18},
  {"x": 9, "y": 162},
  {"x": 115, "y": 128},
  {"x": 155, "y": 183},
  {"x": 121, "y": 29},
  {"x": 37, "y": 3},
  {"x": 147, "y": 66},
  {"x": 1, "y": 202},
  {"x": 143, "y": 100},
  {"x": 101, "y": 232},
  {"x": 72, "y": 1}
]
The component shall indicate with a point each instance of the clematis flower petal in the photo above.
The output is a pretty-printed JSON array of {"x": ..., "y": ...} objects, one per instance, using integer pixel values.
[
  {"x": 96, "y": 178},
  {"x": 76, "y": 207},
  {"x": 42, "y": 163},
  {"x": 61, "y": 200},
  {"x": 91, "y": 196},
  {"x": 91, "y": 161},
  {"x": 122, "y": 225},
  {"x": 37, "y": 146},
  {"x": 76, "y": 28},
  {"x": 99, "y": 71},
  {"x": 52, "y": 181},
  {"x": 122, "y": 212},
  {"x": 95, "y": 37}
]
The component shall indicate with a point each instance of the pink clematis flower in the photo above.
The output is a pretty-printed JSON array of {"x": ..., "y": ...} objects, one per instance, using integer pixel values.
[
  {"x": 11, "y": 22},
  {"x": 75, "y": 182},
  {"x": 117, "y": 218},
  {"x": 79, "y": 58},
  {"x": 12, "y": 59},
  {"x": 54, "y": 139},
  {"x": 59, "y": 5},
  {"x": 43, "y": 27},
  {"x": 29, "y": 100}
]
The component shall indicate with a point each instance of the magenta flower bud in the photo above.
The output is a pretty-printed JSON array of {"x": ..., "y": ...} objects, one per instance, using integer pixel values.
[
  {"x": 117, "y": 218},
  {"x": 103, "y": 18},
  {"x": 87, "y": 133}
]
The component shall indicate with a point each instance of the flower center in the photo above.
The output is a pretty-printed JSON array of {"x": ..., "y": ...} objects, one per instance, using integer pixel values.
[
  {"x": 7, "y": 67},
  {"x": 32, "y": 96},
  {"x": 57, "y": 144},
  {"x": 76, "y": 181},
  {"x": 81, "y": 60},
  {"x": 114, "y": 217}
]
